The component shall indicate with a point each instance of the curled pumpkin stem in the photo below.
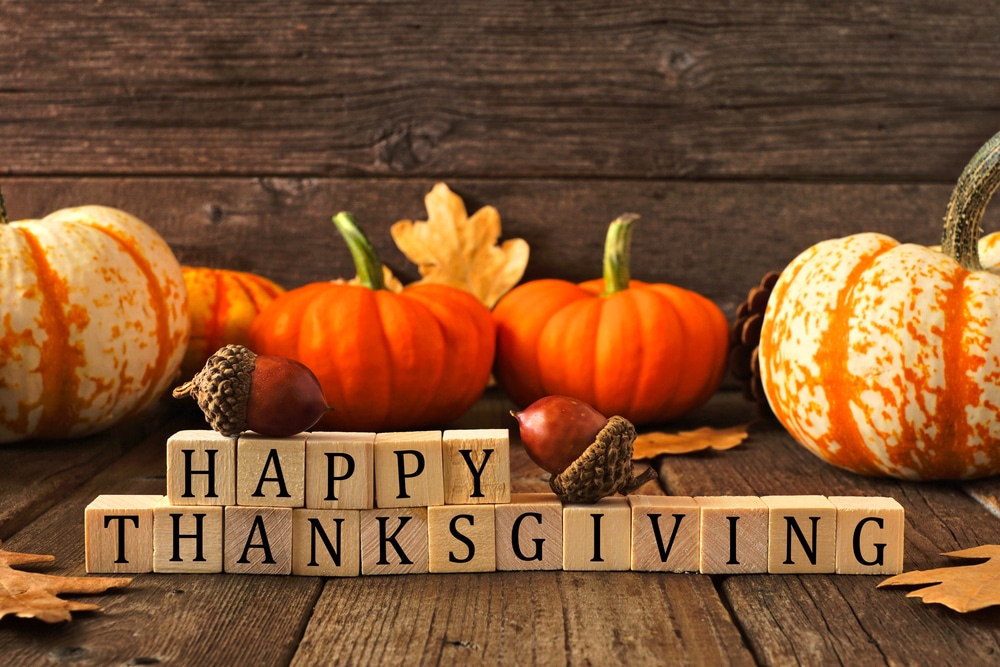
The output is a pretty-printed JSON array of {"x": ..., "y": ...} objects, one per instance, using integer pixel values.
[{"x": 963, "y": 221}]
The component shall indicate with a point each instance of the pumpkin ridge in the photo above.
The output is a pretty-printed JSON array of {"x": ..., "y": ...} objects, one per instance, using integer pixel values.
[{"x": 959, "y": 386}]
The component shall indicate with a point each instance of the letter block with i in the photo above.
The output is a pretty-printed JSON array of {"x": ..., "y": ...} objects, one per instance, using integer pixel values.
[
  {"x": 408, "y": 469},
  {"x": 733, "y": 534},
  {"x": 666, "y": 533},
  {"x": 476, "y": 466},
  {"x": 187, "y": 539},
  {"x": 394, "y": 541},
  {"x": 271, "y": 471},
  {"x": 340, "y": 471},
  {"x": 597, "y": 536},
  {"x": 529, "y": 533},
  {"x": 201, "y": 469},
  {"x": 119, "y": 533},
  {"x": 802, "y": 535},
  {"x": 869, "y": 535}
]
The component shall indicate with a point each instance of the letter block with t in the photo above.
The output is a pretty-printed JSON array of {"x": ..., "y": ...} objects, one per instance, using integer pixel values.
[
  {"x": 476, "y": 466},
  {"x": 597, "y": 536},
  {"x": 461, "y": 538},
  {"x": 666, "y": 533},
  {"x": 340, "y": 471},
  {"x": 802, "y": 535},
  {"x": 529, "y": 533},
  {"x": 187, "y": 539},
  {"x": 733, "y": 534},
  {"x": 408, "y": 469},
  {"x": 201, "y": 468},
  {"x": 271, "y": 472},
  {"x": 394, "y": 541},
  {"x": 869, "y": 535},
  {"x": 119, "y": 533},
  {"x": 326, "y": 543}
]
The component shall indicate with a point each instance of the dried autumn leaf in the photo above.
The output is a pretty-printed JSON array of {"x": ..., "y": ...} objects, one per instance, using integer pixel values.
[
  {"x": 651, "y": 445},
  {"x": 452, "y": 248},
  {"x": 34, "y": 595},
  {"x": 963, "y": 588}
]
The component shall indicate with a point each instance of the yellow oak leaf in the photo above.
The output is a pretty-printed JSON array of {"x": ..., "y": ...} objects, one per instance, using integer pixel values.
[
  {"x": 651, "y": 445},
  {"x": 963, "y": 588},
  {"x": 35, "y": 595},
  {"x": 455, "y": 249}
]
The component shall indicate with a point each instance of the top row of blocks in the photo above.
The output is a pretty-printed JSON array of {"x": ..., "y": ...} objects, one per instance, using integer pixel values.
[{"x": 334, "y": 470}]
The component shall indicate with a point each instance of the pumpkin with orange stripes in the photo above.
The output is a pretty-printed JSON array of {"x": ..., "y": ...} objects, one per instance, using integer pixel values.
[
  {"x": 93, "y": 321},
  {"x": 222, "y": 304},
  {"x": 884, "y": 358}
]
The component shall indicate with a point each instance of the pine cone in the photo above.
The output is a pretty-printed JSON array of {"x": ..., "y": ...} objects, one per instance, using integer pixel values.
[{"x": 744, "y": 340}]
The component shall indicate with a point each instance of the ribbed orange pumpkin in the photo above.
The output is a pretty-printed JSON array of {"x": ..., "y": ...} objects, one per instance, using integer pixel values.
[
  {"x": 222, "y": 305},
  {"x": 647, "y": 352},
  {"x": 386, "y": 361},
  {"x": 93, "y": 321},
  {"x": 884, "y": 358}
]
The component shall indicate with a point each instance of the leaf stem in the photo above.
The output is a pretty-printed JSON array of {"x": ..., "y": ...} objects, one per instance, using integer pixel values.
[
  {"x": 366, "y": 260},
  {"x": 617, "y": 250}
]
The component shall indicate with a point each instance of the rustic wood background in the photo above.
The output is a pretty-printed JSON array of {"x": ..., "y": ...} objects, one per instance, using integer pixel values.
[{"x": 742, "y": 132}]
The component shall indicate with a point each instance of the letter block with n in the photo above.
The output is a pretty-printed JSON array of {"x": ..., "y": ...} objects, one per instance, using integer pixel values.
[
  {"x": 326, "y": 543},
  {"x": 201, "y": 469},
  {"x": 802, "y": 535},
  {"x": 665, "y": 533}
]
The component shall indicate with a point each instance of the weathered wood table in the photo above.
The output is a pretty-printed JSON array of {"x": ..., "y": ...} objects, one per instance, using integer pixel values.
[{"x": 543, "y": 618}]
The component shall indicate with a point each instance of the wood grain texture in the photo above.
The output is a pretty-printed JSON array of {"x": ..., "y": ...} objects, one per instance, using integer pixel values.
[{"x": 519, "y": 88}]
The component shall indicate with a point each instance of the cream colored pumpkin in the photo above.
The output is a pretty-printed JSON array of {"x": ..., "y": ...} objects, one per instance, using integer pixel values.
[
  {"x": 884, "y": 358},
  {"x": 93, "y": 321}
]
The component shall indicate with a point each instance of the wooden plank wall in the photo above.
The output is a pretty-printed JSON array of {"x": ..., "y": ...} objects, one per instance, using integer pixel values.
[{"x": 742, "y": 132}]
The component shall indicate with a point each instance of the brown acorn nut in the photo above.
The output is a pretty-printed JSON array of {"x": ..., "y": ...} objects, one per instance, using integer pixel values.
[
  {"x": 589, "y": 456},
  {"x": 239, "y": 390}
]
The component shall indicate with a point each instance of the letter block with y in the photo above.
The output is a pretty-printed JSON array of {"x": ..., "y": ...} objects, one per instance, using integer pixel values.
[
  {"x": 802, "y": 535},
  {"x": 666, "y": 533},
  {"x": 529, "y": 534},
  {"x": 476, "y": 466},
  {"x": 408, "y": 469},
  {"x": 271, "y": 472},
  {"x": 394, "y": 541},
  {"x": 326, "y": 543},
  {"x": 187, "y": 539},
  {"x": 201, "y": 468},
  {"x": 869, "y": 535}
]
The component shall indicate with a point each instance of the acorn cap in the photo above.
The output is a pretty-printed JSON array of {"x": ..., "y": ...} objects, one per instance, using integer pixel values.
[
  {"x": 222, "y": 389},
  {"x": 604, "y": 468}
]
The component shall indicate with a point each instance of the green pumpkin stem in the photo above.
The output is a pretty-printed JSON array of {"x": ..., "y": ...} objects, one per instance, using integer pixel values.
[
  {"x": 617, "y": 248},
  {"x": 963, "y": 222},
  {"x": 366, "y": 261}
]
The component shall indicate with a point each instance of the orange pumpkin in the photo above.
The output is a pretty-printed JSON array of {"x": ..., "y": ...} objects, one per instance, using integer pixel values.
[
  {"x": 884, "y": 358},
  {"x": 647, "y": 352},
  {"x": 386, "y": 361},
  {"x": 222, "y": 305},
  {"x": 93, "y": 321}
]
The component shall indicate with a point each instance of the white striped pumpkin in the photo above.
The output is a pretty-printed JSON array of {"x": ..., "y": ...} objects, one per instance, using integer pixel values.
[
  {"x": 93, "y": 321},
  {"x": 884, "y": 358}
]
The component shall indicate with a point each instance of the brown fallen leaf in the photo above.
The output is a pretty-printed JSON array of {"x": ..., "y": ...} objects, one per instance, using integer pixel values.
[
  {"x": 34, "y": 595},
  {"x": 963, "y": 588},
  {"x": 651, "y": 445},
  {"x": 453, "y": 248}
]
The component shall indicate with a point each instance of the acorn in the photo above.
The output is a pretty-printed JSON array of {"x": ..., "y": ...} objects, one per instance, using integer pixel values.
[
  {"x": 239, "y": 391},
  {"x": 588, "y": 455}
]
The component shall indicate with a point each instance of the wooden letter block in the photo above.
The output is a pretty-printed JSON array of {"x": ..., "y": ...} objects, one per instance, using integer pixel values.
[
  {"x": 118, "y": 533},
  {"x": 666, "y": 533},
  {"x": 529, "y": 533},
  {"x": 461, "y": 538},
  {"x": 869, "y": 535},
  {"x": 408, "y": 469},
  {"x": 733, "y": 534},
  {"x": 394, "y": 541},
  {"x": 476, "y": 466},
  {"x": 802, "y": 534},
  {"x": 340, "y": 471},
  {"x": 597, "y": 536},
  {"x": 187, "y": 539},
  {"x": 201, "y": 468},
  {"x": 258, "y": 540},
  {"x": 271, "y": 472},
  {"x": 326, "y": 543}
]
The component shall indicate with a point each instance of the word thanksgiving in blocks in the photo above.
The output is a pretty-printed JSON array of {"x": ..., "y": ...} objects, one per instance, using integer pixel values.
[{"x": 350, "y": 504}]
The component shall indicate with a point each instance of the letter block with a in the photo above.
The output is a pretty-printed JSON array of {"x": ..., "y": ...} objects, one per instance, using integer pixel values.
[
  {"x": 271, "y": 472},
  {"x": 201, "y": 469},
  {"x": 869, "y": 535},
  {"x": 476, "y": 466},
  {"x": 733, "y": 534},
  {"x": 461, "y": 538},
  {"x": 666, "y": 533},
  {"x": 187, "y": 539},
  {"x": 597, "y": 536},
  {"x": 118, "y": 533},
  {"x": 394, "y": 541},
  {"x": 529, "y": 532},
  {"x": 408, "y": 469},
  {"x": 258, "y": 540},
  {"x": 326, "y": 543},
  {"x": 340, "y": 471}
]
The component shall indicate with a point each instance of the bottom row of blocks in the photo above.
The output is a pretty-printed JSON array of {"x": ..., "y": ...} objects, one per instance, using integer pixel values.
[{"x": 712, "y": 535}]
